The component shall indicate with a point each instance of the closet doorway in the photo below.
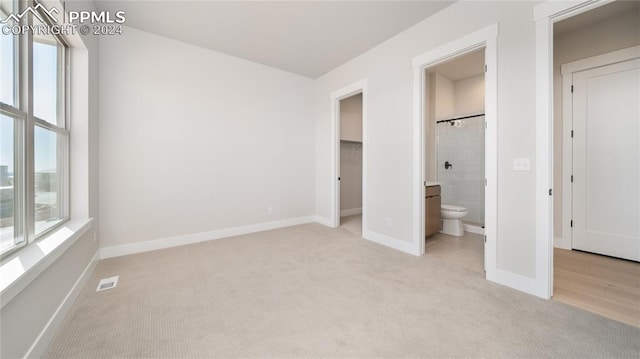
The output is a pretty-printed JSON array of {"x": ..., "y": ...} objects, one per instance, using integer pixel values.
[
  {"x": 349, "y": 158},
  {"x": 350, "y": 172}
]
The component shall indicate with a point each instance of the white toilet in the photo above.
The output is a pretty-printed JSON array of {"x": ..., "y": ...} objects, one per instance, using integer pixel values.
[{"x": 452, "y": 219}]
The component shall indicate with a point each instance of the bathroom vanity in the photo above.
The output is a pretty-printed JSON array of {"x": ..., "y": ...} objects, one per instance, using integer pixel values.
[{"x": 433, "y": 221}]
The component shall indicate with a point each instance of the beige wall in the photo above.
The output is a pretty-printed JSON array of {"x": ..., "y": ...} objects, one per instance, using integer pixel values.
[
  {"x": 469, "y": 95},
  {"x": 441, "y": 104},
  {"x": 615, "y": 33},
  {"x": 445, "y": 97},
  {"x": 351, "y": 118},
  {"x": 430, "y": 128},
  {"x": 350, "y": 175}
]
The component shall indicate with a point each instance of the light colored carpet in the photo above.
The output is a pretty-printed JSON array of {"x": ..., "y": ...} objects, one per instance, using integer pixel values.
[{"x": 311, "y": 291}]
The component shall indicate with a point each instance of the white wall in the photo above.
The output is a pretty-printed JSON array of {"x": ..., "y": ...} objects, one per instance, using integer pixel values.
[
  {"x": 193, "y": 140},
  {"x": 615, "y": 33},
  {"x": 388, "y": 68}
]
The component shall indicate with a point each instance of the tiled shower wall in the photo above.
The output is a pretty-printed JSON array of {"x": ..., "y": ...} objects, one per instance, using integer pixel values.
[{"x": 462, "y": 144}]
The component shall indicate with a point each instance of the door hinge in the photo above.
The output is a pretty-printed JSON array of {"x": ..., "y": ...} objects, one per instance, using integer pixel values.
[
  {"x": 425, "y": 183},
  {"x": 571, "y": 88},
  {"x": 571, "y": 133},
  {"x": 485, "y": 181},
  {"x": 485, "y": 68},
  {"x": 485, "y": 239},
  {"x": 550, "y": 191},
  {"x": 571, "y": 224},
  {"x": 572, "y": 178}
]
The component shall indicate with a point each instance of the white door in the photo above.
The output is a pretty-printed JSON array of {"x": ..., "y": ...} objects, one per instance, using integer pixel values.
[{"x": 606, "y": 160}]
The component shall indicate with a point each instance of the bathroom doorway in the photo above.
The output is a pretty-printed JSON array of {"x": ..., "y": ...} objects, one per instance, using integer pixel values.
[
  {"x": 483, "y": 44},
  {"x": 455, "y": 158}
]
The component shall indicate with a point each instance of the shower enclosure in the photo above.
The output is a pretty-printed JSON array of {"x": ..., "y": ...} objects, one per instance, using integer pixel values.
[{"x": 460, "y": 164}]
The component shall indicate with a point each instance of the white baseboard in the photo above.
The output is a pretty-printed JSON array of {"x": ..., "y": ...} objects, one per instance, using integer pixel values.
[
  {"x": 561, "y": 243},
  {"x": 324, "y": 221},
  {"x": 350, "y": 212},
  {"x": 383, "y": 239},
  {"x": 473, "y": 229},
  {"x": 152, "y": 245},
  {"x": 516, "y": 281},
  {"x": 41, "y": 343}
]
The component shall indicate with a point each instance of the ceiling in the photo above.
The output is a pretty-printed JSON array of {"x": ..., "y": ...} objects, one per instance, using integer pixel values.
[
  {"x": 463, "y": 67},
  {"x": 309, "y": 38},
  {"x": 596, "y": 15}
]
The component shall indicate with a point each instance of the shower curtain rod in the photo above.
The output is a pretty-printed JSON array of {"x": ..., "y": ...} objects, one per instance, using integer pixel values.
[{"x": 460, "y": 118}]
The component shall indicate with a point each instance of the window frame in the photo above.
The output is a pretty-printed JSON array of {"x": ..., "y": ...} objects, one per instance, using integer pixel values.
[{"x": 25, "y": 123}]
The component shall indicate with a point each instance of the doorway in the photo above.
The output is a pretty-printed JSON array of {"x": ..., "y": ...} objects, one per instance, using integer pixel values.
[
  {"x": 482, "y": 43},
  {"x": 454, "y": 159},
  {"x": 593, "y": 227},
  {"x": 349, "y": 157},
  {"x": 350, "y": 172}
]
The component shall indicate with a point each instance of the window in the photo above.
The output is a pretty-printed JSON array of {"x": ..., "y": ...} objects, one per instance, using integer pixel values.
[{"x": 34, "y": 134}]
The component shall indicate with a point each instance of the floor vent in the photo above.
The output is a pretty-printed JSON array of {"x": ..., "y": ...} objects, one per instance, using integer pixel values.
[{"x": 107, "y": 283}]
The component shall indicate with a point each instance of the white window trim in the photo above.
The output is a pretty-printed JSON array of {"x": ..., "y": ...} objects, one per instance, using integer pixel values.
[{"x": 23, "y": 109}]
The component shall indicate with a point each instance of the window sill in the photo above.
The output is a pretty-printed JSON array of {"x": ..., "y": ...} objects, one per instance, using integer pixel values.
[{"x": 22, "y": 267}]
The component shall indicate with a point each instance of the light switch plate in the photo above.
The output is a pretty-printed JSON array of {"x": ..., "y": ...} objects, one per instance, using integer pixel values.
[{"x": 522, "y": 164}]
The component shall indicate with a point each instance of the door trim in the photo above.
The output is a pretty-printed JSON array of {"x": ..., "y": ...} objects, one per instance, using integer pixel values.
[
  {"x": 336, "y": 96},
  {"x": 545, "y": 15},
  {"x": 487, "y": 38},
  {"x": 567, "y": 70}
]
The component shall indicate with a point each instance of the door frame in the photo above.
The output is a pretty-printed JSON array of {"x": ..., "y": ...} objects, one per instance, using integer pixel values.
[
  {"x": 483, "y": 38},
  {"x": 336, "y": 96},
  {"x": 544, "y": 16},
  {"x": 567, "y": 70}
]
